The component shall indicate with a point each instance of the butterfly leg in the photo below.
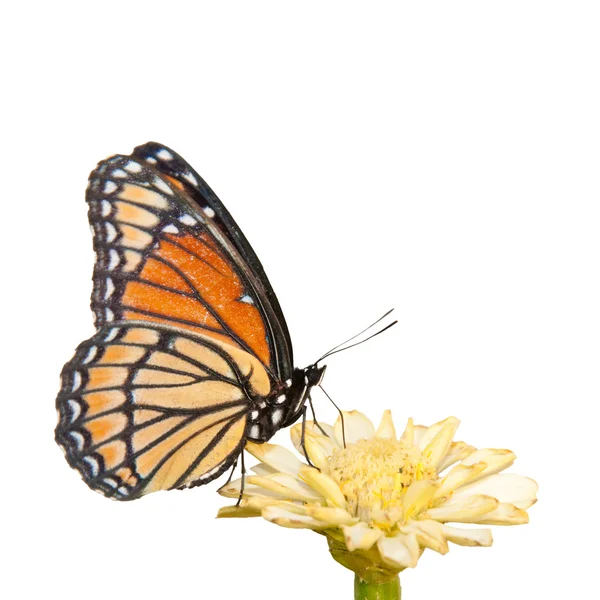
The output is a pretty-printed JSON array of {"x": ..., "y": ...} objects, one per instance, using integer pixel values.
[
  {"x": 303, "y": 439},
  {"x": 312, "y": 409},
  {"x": 339, "y": 411},
  {"x": 232, "y": 471},
  {"x": 243, "y": 478}
]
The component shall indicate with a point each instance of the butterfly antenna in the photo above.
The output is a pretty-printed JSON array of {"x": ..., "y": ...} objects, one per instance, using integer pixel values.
[
  {"x": 330, "y": 352},
  {"x": 339, "y": 411},
  {"x": 335, "y": 351}
]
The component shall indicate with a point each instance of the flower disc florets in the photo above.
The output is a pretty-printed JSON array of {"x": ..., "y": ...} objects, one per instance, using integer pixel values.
[{"x": 374, "y": 475}]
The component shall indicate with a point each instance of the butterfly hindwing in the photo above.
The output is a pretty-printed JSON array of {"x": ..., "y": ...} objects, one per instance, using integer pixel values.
[{"x": 145, "y": 407}]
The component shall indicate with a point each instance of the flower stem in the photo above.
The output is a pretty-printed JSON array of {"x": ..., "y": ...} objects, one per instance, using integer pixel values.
[{"x": 384, "y": 589}]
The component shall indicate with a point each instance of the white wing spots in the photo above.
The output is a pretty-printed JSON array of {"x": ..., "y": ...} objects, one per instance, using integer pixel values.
[
  {"x": 187, "y": 220},
  {"x": 111, "y": 482},
  {"x": 75, "y": 409},
  {"x": 276, "y": 416},
  {"x": 93, "y": 184},
  {"x": 211, "y": 472},
  {"x": 254, "y": 431},
  {"x": 280, "y": 399},
  {"x": 89, "y": 357},
  {"x": 151, "y": 160},
  {"x": 133, "y": 167},
  {"x": 110, "y": 187},
  {"x": 254, "y": 415},
  {"x": 106, "y": 208},
  {"x": 78, "y": 438},
  {"x": 113, "y": 259},
  {"x": 112, "y": 334},
  {"x": 93, "y": 463},
  {"x": 246, "y": 299},
  {"x": 76, "y": 381},
  {"x": 208, "y": 211},
  {"x": 164, "y": 154},
  {"x": 190, "y": 178},
  {"x": 170, "y": 229},
  {"x": 119, "y": 173},
  {"x": 162, "y": 186},
  {"x": 123, "y": 491},
  {"x": 111, "y": 232},
  {"x": 109, "y": 315},
  {"x": 110, "y": 288},
  {"x": 288, "y": 382}
]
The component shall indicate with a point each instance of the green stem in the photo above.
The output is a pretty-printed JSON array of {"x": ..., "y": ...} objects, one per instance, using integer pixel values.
[{"x": 377, "y": 588}]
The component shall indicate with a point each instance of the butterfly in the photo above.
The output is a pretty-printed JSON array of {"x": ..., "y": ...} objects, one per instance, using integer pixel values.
[{"x": 192, "y": 356}]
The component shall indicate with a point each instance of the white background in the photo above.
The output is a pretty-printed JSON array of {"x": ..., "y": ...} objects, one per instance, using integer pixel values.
[{"x": 438, "y": 157}]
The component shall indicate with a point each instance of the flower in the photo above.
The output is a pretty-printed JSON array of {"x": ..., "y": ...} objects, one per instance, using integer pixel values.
[{"x": 380, "y": 499}]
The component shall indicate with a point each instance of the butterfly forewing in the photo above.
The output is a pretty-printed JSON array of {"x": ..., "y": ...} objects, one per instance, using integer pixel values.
[
  {"x": 160, "y": 259},
  {"x": 177, "y": 170},
  {"x": 145, "y": 407}
]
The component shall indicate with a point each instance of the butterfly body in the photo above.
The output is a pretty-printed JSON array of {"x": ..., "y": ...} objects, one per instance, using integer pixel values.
[
  {"x": 285, "y": 404},
  {"x": 192, "y": 356}
]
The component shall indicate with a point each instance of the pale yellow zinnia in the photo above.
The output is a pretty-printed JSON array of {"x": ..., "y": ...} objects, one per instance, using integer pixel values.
[{"x": 382, "y": 499}]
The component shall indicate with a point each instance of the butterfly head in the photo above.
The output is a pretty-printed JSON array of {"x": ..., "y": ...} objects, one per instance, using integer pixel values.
[{"x": 314, "y": 375}]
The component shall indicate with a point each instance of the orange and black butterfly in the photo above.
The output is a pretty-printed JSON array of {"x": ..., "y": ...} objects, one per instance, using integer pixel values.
[{"x": 192, "y": 356}]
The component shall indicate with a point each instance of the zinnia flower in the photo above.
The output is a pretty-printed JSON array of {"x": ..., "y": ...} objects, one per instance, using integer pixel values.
[{"x": 381, "y": 500}]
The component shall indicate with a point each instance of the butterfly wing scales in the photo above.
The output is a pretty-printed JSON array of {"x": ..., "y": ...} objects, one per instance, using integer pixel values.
[
  {"x": 145, "y": 407},
  {"x": 174, "y": 167},
  {"x": 160, "y": 259}
]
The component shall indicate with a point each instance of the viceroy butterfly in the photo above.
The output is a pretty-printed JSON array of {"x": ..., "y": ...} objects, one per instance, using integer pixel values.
[{"x": 192, "y": 355}]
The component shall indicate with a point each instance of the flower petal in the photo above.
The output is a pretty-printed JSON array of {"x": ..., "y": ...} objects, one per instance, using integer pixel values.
[
  {"x": 438, "y": 446},
  {"x": 249, "y": 507},
  {"x": 458, "y": 451},
  {"x": 286, "y": 486},
  {"x": 507, "y": 488},
  {"x": 319, "y": 448},
  {"x": 465, "y": 511},
  {"x": 401, "y": 551},
  {"x": 459, "y": 475},
  {"x": 323, "y": 484},
  {"x": 311, "y": 427},
  {"x": 275, "y": 456},
  {"x": 234, "y": 488},
  {"x": 418, "y": 433},
  {"x": 386, "y": 428},
  {"x": 336, "y": 517},
  {"x": 360, "y": 536},
  {"x": 504, "y": 514},
  {"x": 356, "y": 427},
  {"x": 286, "y": 518},
  {"x": 433, "y": 430},
  {"x": 417, "y": 497},
  {"x": 429, "y": 534},
  {"x": 467, "y": 537},
  {"x": 227, "y": 512},
  {"x": 495, "y": 460},
  {"x": 262, "y": 469},
  {"x": 408, "y": 436}
]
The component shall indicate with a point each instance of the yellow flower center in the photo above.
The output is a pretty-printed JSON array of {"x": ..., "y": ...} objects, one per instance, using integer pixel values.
[{"x": 374, "y": 476}]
